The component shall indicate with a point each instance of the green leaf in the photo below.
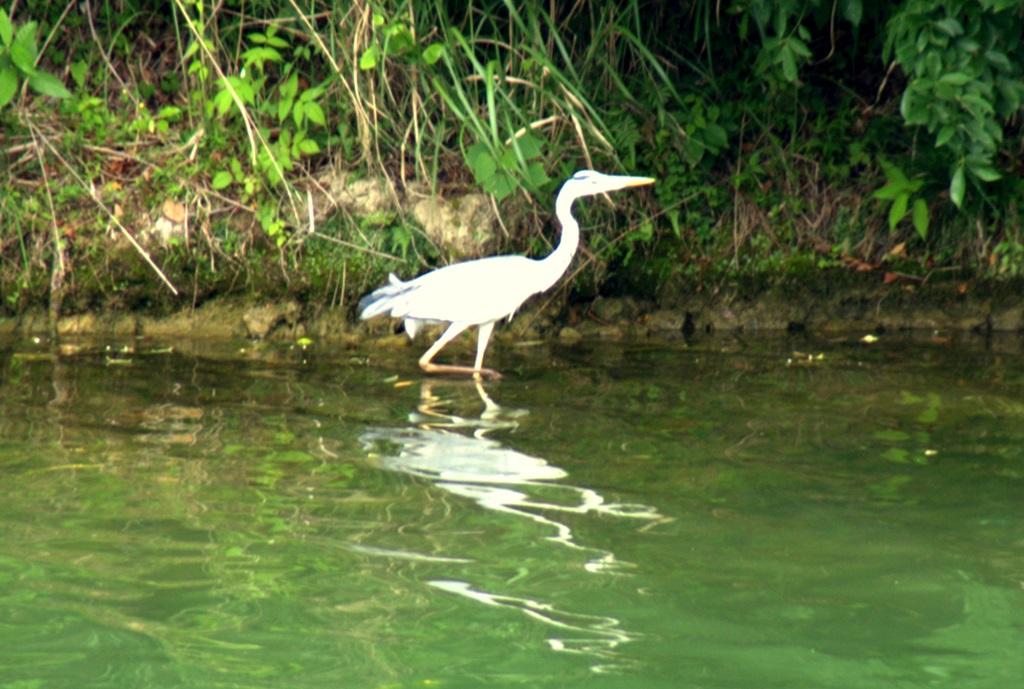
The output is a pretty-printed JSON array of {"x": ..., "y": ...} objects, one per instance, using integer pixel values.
[
  {"x": 950, "y": 26},
  {"x": 169, "y": 112},
  {"x": 788, "y": 63},
  {"x": 913, "y": 108},
  {"x": 1011, "y": 92},
  {"x": 693, "y": 150},
  {"x": 981, "y": 105},
  {"x": 23, "y": 49},
  {"x": 798, "y": 47},
  {"x": 433, "y": 52},
  {"x": 369, "y": 58},
  {"x": 929, "y": 415},
  {"x": 48, "y": 85},
  {"x": 221, "y": 180},
  {"x": 674, "y": 221},
  {"x": 476, "y": 151},
  {"x": 8, "y": 83},
  {"x": 943, "y": 93},
  {"x": 6, "y": 28},
  {"x": 222, "y": 102},
  {"x": 985, "y": 173},
  {"x": 315, "y": 114},
  {"x": 919, "y": 214},
  {"x": 481, "y": 162},
  {"x": 955, "y": 78},
  {"x": 501, "y": 185},
  {"x": 967, "y": 45},
  {"x": 897, "y": 210},
  {"x": 999, "y": 59},
  {"x": 956, "y": 187},
  {"x": 508, "y": 160},
  {"x": 284, "y": 106},
  {"x": 536, "y": 175},
  {"x": 191, "y": 50},
  {"x": 894, "y": 174},
  {"x": 309, "y": 147},
  {"x": 398, "y": 39},
  {"x": 716, "y": 137},
  {"x": 978, "y": 133},
  {"x": 261, "y": 55},
  {"x": 922, "y": 42},
  {"x": 80, "y": 73},
  {"x": 853, "y": 11},
  {"x": 944, "y": 135},
  {"x": 529, "y": 146},
  {"x": 289, "y": 87},
  {"x": 909, "y": 398},
  {"x": 895, "y": 454},
  {"x": 780, "y": 19},
  {"x": 889, "y": 192},
  {"x": 312, "y": 93},
  {"x": 244, "y": 89}
]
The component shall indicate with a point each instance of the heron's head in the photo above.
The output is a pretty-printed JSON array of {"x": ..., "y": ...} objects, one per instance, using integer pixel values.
[{"x": 589, "y": 182}]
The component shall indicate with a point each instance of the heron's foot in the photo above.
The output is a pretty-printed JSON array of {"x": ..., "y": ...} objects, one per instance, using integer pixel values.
[{"x": 477, "y": 373}]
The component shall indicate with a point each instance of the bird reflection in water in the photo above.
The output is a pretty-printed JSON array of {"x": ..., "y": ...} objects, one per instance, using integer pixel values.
[{"x": 456, "y": 454}]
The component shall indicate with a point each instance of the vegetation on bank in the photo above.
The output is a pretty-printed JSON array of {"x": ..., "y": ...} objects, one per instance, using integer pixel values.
[{"x": 788, "y": 138}]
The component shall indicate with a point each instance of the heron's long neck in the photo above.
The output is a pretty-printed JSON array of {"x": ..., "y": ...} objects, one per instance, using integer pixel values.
[{"x": 557, "y": 262}]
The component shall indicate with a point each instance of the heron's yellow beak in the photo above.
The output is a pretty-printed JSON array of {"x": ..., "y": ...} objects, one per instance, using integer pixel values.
[
  {"x": 624, "y": 181},
  {"x": 609, "y": 183}
]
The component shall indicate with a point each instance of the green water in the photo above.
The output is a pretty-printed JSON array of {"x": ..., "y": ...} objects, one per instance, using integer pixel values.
[{"x": 723, "y": 514}]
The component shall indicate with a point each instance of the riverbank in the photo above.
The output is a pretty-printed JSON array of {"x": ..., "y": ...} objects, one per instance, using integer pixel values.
[
  {"x": 856, "y": 305},
  {"x": 267, "y": 180}
]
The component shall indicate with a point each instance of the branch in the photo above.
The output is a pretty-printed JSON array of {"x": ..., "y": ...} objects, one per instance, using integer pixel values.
[{"x": 96, "y": 199}]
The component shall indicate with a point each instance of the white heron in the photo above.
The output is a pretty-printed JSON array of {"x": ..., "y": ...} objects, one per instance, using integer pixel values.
[{"x": 483, "y": 291}]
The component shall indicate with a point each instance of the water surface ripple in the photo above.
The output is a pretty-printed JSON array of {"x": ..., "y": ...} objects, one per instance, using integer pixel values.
[{"x": 770, "y": 513}]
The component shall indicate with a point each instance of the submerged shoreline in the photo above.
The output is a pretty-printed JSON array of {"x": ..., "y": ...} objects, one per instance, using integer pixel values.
[{"x": 870, "y": 308}]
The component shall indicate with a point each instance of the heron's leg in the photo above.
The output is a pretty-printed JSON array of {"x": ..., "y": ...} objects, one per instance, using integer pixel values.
[
  {"x": 482, "y": 338},
  {"x": 447, "y": 336}
]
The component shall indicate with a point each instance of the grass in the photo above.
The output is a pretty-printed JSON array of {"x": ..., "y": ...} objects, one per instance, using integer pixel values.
[{"x": 237, "y": 122}]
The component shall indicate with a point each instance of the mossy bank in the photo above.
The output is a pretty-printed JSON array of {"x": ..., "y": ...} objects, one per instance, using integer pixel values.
[{"x": 863, "y": 304}]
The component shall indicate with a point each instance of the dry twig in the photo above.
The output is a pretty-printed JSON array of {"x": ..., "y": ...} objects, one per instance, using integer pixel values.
[{"x": 110, "y": 214}]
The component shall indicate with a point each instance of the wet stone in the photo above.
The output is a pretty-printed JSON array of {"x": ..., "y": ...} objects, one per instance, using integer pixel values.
[
  {"x": 611, "y": 309},
  {"x": 569, "y": 334},
  {"x": 665, "y": 321},
  {"x": 261, "y": 320}
]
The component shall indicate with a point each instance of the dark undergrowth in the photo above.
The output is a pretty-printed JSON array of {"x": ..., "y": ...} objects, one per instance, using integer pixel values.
[{"x": 157, "y": 154}]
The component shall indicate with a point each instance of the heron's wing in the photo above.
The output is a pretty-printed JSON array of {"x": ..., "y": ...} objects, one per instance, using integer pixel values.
[
  {"x": 473, "y": 292},
  {"x": 379, "y": 300}
]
